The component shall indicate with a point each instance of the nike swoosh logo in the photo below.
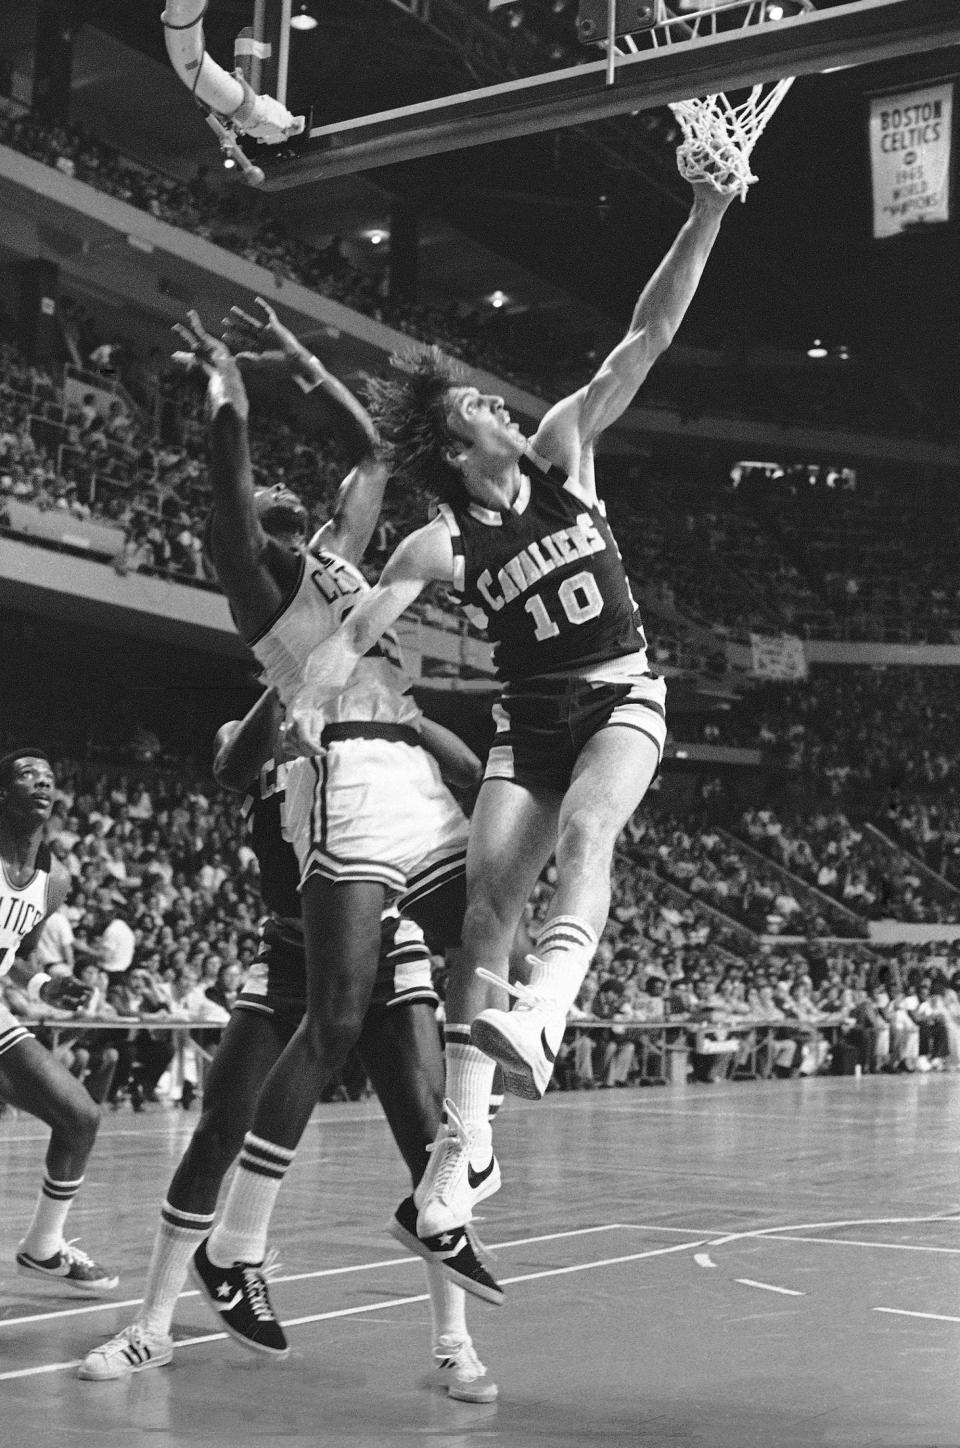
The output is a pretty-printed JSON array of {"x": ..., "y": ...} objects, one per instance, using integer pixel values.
[
  {"x": 550, "y": 1054},
  {"x": 229, "y": 1306},
  {"x": 475, "y": 1178}
]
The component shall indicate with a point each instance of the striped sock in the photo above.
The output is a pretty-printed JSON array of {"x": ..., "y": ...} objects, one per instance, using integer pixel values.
[
  {"x": 45, "y": 1233},
  {"x": 178, "y": 1237},
  {"x": 241, "y": 1233},
  {"x": 496, "y": 1094},
  {"x": 469, "y": 1077},
  {"x": 565, "y": 947}
]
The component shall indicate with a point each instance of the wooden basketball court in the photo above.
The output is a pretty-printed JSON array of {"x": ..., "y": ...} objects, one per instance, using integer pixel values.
[{"x": 770, "y": 1264}]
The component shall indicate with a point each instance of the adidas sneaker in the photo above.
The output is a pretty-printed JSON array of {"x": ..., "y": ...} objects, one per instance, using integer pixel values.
[
  {"x": 130, "y": 1351},
  {"x": 457, "y": 1368}
]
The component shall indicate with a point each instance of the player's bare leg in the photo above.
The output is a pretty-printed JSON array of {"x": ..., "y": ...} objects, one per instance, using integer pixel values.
[
  {"x": 611, "y": 777},
  {"x": 34, "y": 1081},
  {"x": 342, "y": 948}
]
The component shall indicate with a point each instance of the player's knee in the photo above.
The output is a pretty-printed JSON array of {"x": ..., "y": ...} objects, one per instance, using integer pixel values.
[
  {"x": 586, "y": 838},
  {"x": 218, "y": 1138},
  {"x": 83, "y": 1121},
  {"x": 330, "y": 1033},
  {"x": 485, "y": 918}
]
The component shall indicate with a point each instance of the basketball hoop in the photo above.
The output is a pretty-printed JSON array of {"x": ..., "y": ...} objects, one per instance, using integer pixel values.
[{"x": 720, "y": 131}]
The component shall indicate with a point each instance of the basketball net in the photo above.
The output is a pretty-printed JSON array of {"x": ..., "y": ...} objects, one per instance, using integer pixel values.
[
  {"x": 718, "y": 133},
  {"x": 718, "y": 136}
]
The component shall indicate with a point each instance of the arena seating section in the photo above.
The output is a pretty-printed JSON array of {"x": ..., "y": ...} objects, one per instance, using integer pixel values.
[{"x": 756, "y": 913}]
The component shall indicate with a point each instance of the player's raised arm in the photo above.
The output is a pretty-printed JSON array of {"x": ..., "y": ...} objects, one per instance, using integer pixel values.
[
  {"x": 424, "y": 557},
  {"x": 256, "y": 575},
  {"x": 578, "y": 419},
  {"x": 261, "y": 343},
  {"x": 356, "y": 510}
]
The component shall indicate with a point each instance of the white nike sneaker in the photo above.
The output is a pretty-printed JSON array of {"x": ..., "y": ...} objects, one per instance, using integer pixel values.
[
  {"x": 451, "y": 1186},
  {"x": 524, "y": 1042},
  {"x": 457, "y": 1368},
  {"x": 132, "y": 1350}
]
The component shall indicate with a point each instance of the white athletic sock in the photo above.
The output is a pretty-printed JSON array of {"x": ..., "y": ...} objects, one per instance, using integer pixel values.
[
  {"x": 565, "y": 947},
  {"x": 469, "y": 1082},
  {"x": 178, "y": 1237},
  {"x": 45, "y": 1233},
  {"x": 448, "y": 1306},
  {"x": 241, "y": 1233}
]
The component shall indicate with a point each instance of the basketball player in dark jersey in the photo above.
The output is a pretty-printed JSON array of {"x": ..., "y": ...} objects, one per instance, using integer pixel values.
[
  {"x": 33, "y": 884},
  {"x": 521, "y": 535},
  {"x": 399, "y": 1047}
]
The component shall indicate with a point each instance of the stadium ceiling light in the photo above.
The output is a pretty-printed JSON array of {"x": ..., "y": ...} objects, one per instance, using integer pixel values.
[
  {"x": 303, "y": 20},
  {"x": 377, "y": 235},
  {"x": 842, "y": 352},
  {"x": 498, "y": 299},
  {"x": 817, "y": 349}
]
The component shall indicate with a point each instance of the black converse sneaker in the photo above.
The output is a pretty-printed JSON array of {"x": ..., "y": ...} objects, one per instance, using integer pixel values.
[
  {"x": 458, "y": 1253},
  {"x": 238, "y": 1297}
]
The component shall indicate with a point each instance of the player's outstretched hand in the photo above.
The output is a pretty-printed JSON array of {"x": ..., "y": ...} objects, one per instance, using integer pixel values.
[
  {"x": 224, "y": 385},
  {"x": 262, "y": 343}
]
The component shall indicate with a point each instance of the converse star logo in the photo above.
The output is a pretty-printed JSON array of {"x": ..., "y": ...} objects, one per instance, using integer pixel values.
[
  {"x": 224, "y": 1289},
  {"x": 446, "y": 1239}
]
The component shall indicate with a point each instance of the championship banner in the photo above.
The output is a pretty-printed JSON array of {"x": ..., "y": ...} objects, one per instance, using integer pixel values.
[
  {"x": 777, "y": 656},
  {"x": 911, "y": 137}
]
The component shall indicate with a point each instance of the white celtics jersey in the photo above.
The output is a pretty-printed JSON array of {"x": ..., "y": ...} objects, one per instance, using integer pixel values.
[
  {"x": 378, "y": 691},
  {"x": 22, "y": 907}
]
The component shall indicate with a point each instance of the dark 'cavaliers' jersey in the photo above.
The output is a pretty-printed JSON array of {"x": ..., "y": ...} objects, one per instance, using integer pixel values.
[
  {"x": 544, "y": 578},
  {"x": 279, "y": 872}
]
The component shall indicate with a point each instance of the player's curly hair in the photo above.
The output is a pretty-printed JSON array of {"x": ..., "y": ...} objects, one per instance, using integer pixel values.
[{"x": 409, "y": 411}]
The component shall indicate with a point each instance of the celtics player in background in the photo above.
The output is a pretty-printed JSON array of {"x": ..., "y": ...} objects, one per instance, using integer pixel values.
[
  {"x": 522, "y": 537},
  {"x": 33, "y": 884}
]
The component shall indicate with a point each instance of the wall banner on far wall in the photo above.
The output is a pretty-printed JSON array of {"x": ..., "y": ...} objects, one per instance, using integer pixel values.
[{"x": 911, "y": 135}]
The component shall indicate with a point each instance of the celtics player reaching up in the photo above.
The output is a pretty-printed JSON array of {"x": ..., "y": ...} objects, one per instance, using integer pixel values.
[{"x": 522, "y": 537}]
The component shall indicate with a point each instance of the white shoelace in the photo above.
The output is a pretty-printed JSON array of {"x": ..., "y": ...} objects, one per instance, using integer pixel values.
[
  {"x": 454, "y": 1148},
  {"x": 255, "y": 1281},
  {"x": 76, "y": 1254},
  {"x": 527, "y": 998}
]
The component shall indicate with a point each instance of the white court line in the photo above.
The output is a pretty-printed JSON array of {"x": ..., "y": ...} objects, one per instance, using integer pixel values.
[
  {"x": 769, "y": 1287},
  {"x": 407, "y": 1260},
  {"x": 857, "y": 1242},
  {"x": 371, "y": 1307},
  {"x": 703, "y": 1259},
  {"x": 812, "y": 1226},
  {"x": 902, "y": 1312}
]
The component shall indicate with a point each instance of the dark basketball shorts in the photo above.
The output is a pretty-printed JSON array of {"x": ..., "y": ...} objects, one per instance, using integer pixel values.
[
  {"x": 543, "y": 724},
  {"x": 276, "y": 983}
]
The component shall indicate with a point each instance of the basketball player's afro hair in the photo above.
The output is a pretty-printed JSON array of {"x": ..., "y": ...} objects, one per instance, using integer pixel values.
[
  {"x": 409, "y": 411},
  {"x": 7, "y": 761}
]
